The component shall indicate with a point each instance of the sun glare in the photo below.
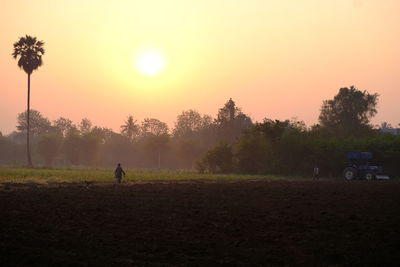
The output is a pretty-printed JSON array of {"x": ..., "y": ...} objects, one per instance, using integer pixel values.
[{"x": 149, "y": 62}]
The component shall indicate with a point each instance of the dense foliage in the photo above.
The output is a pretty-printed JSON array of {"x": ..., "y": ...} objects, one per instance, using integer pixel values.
[
  {"x": 349, "y": 112},
  {"x": 231, "y": 143},
  {"x": 149, "y": 144},
  {"x": 287, "y": 147},
  {"x": 290, "y": 148}
]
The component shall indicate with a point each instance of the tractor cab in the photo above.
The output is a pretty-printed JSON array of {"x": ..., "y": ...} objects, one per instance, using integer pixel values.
[{"x": 359, "y": 167}]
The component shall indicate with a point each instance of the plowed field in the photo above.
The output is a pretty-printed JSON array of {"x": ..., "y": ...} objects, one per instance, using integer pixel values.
[{"x": 201, "y": 223}]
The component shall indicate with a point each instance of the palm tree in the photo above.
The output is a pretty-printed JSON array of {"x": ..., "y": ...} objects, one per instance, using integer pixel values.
[
  {"x": 30, "y": 52},
  {"x": 130, "y": 129}
]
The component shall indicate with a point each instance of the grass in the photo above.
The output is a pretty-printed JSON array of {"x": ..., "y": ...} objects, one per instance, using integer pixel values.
[{"x": 42, "y": 176}]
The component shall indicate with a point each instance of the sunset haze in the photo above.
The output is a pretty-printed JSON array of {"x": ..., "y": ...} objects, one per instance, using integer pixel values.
[{"x": 276, "y": 59}]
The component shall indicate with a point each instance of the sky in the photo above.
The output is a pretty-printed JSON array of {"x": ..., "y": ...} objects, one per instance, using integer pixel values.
[{"x": 276, "y": 59}]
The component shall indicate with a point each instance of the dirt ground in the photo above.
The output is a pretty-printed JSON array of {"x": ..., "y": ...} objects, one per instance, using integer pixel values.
[{"x": 199, "y": 223}]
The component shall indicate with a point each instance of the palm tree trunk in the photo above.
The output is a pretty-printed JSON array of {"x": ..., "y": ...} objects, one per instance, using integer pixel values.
[{"x": 28, "y": 150}]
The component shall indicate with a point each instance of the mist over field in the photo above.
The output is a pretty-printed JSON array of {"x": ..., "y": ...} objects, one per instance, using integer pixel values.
[{"x": 229, "y": 143}]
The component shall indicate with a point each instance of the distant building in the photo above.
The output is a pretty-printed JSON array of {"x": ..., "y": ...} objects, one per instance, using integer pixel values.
[{"x": 394, "y": 131}]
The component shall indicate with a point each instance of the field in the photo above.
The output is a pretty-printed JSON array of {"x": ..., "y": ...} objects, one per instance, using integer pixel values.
[
  {"x": 79, "y": 218},
  {"x": 51, "y": 176}
]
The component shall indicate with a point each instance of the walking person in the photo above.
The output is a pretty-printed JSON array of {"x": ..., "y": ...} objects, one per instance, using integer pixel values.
[
  {"x": 315, "y": 173},
  {"x": 118, "y": 174}
]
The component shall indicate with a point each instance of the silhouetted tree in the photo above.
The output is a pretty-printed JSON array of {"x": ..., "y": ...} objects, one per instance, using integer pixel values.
[
  {"x": 231, "y": 121},
  {"x": 102, "y": 133},
  {"x": 130, "y": 129},
  {"x": 189, "y": 122},
  {"x": 151, "y": 126},
  {"x": 218, "y": 159},
  {"x": 155, "y": 136},
  {"x": 191, "y": 136},
  {"x": 118, "y": 149},
  {"x": 385, "y": 125},
  {"x": 228, "y": 112},
  {"x": 265, "y": 147},
  {"x": 188, "y": 150},
  {"x": 49, "y": 146},
  {"x": 90, "y": 148},
  {"x": 85, "y": 126},
  {"x": 72, "y": 147},
  {"x": 254, "y": 152},
  {"x": 6, "y": 148},
  {"x": 63, "y": 126},
  {"x": 38, "y": 123},
  {"x": 30, "y": 52},
  {"x": 349, "y": 112}
]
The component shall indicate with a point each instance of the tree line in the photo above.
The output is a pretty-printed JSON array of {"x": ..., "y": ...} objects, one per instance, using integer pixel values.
[
  {"x": 290, "y": 148},
  {"x": 146, "y": 144},
  {"x": 229, "y": 143}
]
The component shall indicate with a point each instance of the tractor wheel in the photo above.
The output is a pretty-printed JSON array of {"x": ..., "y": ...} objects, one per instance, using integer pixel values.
[
  {"x": 369, "y": 176},
  {"x": 350, "y": 173}
]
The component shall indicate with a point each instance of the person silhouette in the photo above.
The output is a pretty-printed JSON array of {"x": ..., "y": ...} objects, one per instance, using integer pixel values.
[
  {"x": 316, "y": 173},
  {"x": 118, "y": 174}
]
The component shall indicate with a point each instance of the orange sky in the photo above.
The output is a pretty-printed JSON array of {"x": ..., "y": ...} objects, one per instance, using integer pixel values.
[{"x": 276, "y": 58}]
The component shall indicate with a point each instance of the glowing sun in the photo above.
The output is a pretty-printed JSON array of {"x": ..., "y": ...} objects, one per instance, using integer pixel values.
[{"x": 149, "y": 62}]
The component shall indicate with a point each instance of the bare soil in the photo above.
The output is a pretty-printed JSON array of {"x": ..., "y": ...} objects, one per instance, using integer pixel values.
[{"x": 199, "y": 223}]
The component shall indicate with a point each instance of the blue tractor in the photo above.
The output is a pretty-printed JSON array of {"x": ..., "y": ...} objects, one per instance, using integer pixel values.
[{"x": 359, "y": 167}]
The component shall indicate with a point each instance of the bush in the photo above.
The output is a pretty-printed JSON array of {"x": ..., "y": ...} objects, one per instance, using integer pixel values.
[{"x": 218, "y": 159}]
